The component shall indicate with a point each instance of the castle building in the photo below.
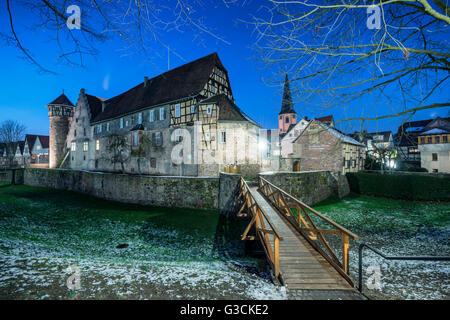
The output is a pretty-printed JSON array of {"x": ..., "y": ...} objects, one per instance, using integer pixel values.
[
  {"x": 182, "y": 122},
  {"x": 60, "y": 112}
]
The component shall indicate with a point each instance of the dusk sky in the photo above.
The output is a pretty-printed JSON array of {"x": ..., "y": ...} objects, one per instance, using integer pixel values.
[{"x": 25, "y": 91}]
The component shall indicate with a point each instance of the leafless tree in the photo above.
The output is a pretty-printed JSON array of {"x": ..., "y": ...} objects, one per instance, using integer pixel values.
[
  {"x": 11, "y": 132},
  {"x": 118, "y": 150},
  {"x": 334, "y": 58},
  {"x": 140, "y": 24}
]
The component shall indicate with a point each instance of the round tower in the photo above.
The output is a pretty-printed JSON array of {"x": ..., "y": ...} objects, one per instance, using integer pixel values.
[
  {"x": 60, "y": 112},
  {"x": 287, "y": 116}
]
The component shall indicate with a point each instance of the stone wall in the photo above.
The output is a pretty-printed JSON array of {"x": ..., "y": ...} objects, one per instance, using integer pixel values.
[
  {"x": 7, "y": 175},
  {"x": 228, "y": 191},
  {"x": 183, "y": 192},
  {"x": 310, "y": 187}
]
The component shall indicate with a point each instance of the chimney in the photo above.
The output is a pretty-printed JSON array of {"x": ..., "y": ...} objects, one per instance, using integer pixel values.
[
  {"x": 82, "y": 90},
  {"x": 145, "y": 81},
  {"x": 103, "y": 106}
]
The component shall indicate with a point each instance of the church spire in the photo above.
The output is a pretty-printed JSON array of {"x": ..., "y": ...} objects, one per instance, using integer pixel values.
[{"x": 287, "y": 106}]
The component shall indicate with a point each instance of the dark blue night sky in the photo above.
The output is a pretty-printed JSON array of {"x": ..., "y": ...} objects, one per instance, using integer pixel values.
[{"x": 25, "y": 91}]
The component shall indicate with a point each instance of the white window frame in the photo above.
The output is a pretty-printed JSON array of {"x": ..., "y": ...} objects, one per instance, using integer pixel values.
[
  {"x": 85, "y": 146},
  {"x": 73, "y": 146},
  {"x": 152, "y": 115},
  {"x": 99, "y": 128},
  {"x": 161, "y": 114},
  {"x": 177, "y": 110},
  {"x": 126, "y": 123},
  {"x": 208, "y": 110},
  {"x": 207, "y": 136}
]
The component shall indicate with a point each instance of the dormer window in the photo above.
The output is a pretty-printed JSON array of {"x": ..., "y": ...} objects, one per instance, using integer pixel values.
[{"x": 140, "y": 118}]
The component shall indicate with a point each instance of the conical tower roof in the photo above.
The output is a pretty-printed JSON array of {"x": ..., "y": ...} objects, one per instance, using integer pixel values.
[
  {"x": 62, "y": 100},
  {"x": 287, "y": 106}
]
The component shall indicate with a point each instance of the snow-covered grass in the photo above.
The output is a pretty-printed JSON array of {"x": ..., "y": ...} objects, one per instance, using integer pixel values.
[
  {"x": 171, "y": 253},
  {"x": 396, "y": 227}
]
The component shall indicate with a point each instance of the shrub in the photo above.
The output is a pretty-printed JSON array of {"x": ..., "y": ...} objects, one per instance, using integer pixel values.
[{"x": 401, "y": 186}]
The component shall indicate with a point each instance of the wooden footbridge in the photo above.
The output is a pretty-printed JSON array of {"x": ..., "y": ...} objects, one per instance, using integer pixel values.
[{"x": 293, "y": 237}]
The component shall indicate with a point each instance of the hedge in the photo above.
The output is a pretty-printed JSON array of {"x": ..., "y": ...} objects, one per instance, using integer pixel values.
[{"x": 401, "y": 186}]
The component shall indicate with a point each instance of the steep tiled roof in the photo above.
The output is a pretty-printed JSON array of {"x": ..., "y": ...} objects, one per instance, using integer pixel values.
[
  {"x": 95, "y": 104},
  {"x": 184, "y": 81},
  {"x": 339, "y": 135},
  {"x": 31, "y": 140},
  {"x": 62, "y": 100},
  {"x": 228, "y": 111}
]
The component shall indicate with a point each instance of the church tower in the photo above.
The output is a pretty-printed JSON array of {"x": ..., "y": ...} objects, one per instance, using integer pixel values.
[
  {"x": 287, "y": 115},
  {"x": 60, "y": 112}
]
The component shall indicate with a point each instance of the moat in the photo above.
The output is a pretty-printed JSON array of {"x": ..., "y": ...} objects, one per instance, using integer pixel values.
[{"x": 128, "y": 251}]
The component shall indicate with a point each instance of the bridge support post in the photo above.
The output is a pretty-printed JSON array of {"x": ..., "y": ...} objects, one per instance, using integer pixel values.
[
  {"x": 276, "y": 255},
  {"x": 345, "y": 246}
]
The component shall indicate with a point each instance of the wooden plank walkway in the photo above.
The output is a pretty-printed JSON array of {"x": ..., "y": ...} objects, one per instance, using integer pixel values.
[{"x": 301, "y": 266}]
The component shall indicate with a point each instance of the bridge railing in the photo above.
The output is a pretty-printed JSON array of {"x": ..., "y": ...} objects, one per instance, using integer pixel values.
[
  {"x": 262, "y": 229},
  {"x": 300, "y": 216}
]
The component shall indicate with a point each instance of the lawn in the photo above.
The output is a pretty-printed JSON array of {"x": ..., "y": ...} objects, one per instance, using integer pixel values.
[
  {"x": 122, "y": 250},
  {"x": 397, "y": 227}
]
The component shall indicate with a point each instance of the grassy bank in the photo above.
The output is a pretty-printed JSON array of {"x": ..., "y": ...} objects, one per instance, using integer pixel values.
[
  {"x": 396, "y": 227},
  {"x": 166, "y": 253}
]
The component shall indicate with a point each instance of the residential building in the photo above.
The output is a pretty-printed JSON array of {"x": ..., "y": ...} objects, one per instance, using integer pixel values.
[
  {"x": 406, "y": 139},
  {"x": 434, "y": 147},
  {"x": 322, "y": 147}
]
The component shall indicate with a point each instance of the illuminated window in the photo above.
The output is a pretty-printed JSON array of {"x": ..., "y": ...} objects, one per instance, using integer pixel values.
[
  {"x": 73, "y": 146},
  {"x": 97, "y": 145},
  {"x": 85, "y": 146}
]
